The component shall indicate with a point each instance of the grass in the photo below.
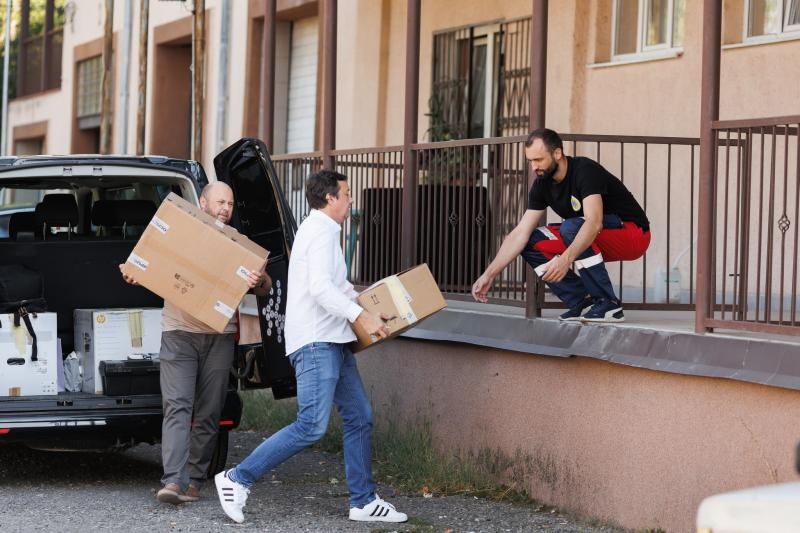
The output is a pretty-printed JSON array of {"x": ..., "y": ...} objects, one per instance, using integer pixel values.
[
  {"x": 403, "y": 454},
  {"x": 405, "y": 457}
]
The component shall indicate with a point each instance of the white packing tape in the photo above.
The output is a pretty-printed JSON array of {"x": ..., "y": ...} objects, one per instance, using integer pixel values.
[{"x": 401, "y": 298}]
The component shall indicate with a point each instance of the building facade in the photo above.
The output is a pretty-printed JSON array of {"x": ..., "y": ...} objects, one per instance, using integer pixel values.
[{"x": 623, "y": 80}]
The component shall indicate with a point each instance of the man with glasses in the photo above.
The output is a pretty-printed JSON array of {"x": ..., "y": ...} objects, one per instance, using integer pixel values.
[{"x": 602, "y": 222}]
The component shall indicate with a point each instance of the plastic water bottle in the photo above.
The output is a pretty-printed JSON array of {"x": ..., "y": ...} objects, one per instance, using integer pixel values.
[{"x": 674, "y": 284}]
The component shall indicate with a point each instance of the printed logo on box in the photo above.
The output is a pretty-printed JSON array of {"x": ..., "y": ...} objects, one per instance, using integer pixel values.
[
  {"x": 138, "y": 261},
  {"x": 224, "y": 309},
  {"x": 242, "y": 272},
  {"x": 159, "y": 224}
]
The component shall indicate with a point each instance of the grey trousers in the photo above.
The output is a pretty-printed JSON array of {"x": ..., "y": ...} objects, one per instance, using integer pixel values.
[{"x": 194, "y": 380}]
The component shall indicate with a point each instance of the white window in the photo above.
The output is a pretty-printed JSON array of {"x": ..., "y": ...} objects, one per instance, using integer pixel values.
[
  {"x": 766, "y": 18},
  {"x": 645, "y": 27}
]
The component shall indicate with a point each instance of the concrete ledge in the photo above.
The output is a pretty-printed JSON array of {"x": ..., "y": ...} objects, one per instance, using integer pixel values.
[{"x": 756, "y": 360}]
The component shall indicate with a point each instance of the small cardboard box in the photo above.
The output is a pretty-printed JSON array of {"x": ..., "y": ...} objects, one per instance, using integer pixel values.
[
  {"x": 114, "y": 335},
  {"x": 408, "y": 297},
  {"x": 194, "y": 261},
  {"x": 19, "y": 376}
]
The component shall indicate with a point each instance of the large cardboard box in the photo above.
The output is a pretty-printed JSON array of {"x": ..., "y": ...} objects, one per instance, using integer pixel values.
[
  {"x": 19, "y": 376},
  {"x": 194, "y": 261},
  {"x": 408, "y": 297},
  {"x": 114, "y": 335}
]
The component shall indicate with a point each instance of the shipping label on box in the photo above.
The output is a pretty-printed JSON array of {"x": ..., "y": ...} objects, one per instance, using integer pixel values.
[
  {"x": 114, "y": 335},
  {"x": 407, "y": 297},
  {"x": 19, "y": 376},
  {"x": 195, "y": 262}
]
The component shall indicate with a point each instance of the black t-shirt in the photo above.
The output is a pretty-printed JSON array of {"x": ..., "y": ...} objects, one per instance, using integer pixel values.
[{"x": 584, "y": 178}]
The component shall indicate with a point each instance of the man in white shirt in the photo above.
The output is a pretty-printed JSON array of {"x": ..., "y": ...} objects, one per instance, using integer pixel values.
[{"x": 319, "y": 309}]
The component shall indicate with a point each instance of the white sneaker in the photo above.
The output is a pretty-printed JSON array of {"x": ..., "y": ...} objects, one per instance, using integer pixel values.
[
  {"x": 232, "y": 496},
  {"x": 377, "y": 511}
]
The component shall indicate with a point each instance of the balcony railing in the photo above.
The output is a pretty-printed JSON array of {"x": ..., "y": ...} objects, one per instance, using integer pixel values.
[
  {"x": 471, "y": 193},
  {"x": 756, "y": 218}
]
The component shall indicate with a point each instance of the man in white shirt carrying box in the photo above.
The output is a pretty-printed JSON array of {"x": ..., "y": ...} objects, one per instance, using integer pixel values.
[{"x": 319, "y": 309}]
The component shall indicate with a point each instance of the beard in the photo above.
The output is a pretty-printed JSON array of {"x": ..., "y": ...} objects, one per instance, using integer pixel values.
[{"x": 550, "y": 171}]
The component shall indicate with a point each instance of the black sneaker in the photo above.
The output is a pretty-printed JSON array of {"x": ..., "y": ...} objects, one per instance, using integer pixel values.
[
  {"x": 605, "y": 311},
  {"x": 574, "y": 313}
]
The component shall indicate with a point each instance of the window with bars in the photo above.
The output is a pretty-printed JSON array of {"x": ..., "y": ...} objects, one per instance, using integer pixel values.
[
  {"x": 38, "y": 63},
  {"x": 480, "y": 81},
  {"x": 90, "y": 72},
  {"x": 771, "y": 17},
  {"x": 642, "y": 27}
]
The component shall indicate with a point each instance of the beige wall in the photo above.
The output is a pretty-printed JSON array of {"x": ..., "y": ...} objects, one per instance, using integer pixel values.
[
  {"x": 585, "y": 93},
  {"x": 632, "y": 446}
]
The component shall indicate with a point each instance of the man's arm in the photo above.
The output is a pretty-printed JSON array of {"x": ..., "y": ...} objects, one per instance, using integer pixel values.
[
  {"x": 259, "y": 282},
  {"x": 330, "y": 297},
  {"x": 512, "y": 245},
  {"x": 593, "y": 223},
  {"x": 321, "y": 266}
]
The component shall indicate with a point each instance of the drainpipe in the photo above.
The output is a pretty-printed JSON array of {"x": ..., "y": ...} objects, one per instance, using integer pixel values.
[
  {"x": 538, "y": 100},
  {"x": 106, "y": 84},
  {"x": 408, "y": 236},
  {"x": 267, "y": 132},
  {"x": 127, "y": 34},
  {"x": 141, "y": 104},
  {"x": 329, "y": 8},
  {"x": 222, "y": 76},
  {"x": 198, "y": 77},
  {"x": 4, "y": 135},
  {"x": 709, "y": 112}
]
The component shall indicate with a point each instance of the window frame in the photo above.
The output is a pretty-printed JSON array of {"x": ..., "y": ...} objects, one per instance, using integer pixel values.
[
  {"x": 786, "y": 29},
  {"x": 644, "y": 50}
]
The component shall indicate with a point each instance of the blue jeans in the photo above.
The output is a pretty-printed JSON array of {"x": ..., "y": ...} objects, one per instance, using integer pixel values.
[{"x": 326, "y": 374}]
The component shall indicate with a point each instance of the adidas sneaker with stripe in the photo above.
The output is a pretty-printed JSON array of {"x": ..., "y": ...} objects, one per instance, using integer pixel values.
[{"x": 377, "y": 510}]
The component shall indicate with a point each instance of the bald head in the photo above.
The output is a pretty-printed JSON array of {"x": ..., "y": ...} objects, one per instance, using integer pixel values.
[{"x": 217, "y": 200}]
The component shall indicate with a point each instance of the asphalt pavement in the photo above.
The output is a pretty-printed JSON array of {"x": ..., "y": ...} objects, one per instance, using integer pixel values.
[{"x": 87, "y": 492}]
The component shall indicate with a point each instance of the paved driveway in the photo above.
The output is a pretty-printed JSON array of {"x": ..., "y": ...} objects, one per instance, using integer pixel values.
[{"x": 68, "y": 491}]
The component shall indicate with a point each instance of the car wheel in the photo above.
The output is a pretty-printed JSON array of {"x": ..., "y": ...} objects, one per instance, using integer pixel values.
[{"x": 220, "y": 455}]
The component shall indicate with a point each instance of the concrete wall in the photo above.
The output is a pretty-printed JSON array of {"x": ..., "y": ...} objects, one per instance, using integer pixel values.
[
  {"x": 632, "y": 446},
  {"x": 585, "y": 93}
]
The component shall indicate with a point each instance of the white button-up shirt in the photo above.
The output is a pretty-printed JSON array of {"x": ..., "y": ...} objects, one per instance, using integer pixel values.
[{"x": 320, "y": 301}]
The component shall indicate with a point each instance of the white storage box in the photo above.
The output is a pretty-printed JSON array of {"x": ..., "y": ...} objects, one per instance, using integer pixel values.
[
  {"x": 19, "y": 376},
  {"x": 114, "y": 335}
]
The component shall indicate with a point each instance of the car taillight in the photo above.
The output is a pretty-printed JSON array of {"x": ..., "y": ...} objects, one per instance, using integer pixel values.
[
  {"x": 225, "y": 423},
  {"x": 5, "y": 431}
]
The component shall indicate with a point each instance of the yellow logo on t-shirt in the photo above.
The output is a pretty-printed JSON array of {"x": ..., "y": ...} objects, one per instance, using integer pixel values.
[{"x": 576, "y": 204}]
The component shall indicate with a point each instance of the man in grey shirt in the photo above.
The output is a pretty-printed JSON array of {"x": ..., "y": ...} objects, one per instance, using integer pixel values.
[
  {"x": 195, "y": 363},
  {"x": 319, "y": 309}
]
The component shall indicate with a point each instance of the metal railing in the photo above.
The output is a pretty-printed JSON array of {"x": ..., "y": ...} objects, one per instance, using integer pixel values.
[
  {"x": 471, "y": 193},
  {"x": 756, "y": 238}
]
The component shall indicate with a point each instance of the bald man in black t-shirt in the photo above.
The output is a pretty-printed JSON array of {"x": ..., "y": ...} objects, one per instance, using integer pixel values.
[{"x": 602, "y": 222}]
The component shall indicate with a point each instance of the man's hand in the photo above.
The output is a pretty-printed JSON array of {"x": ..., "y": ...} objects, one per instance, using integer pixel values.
[
  {"x": 481, "y": 288},
  {"x": 374, "y": 324},
  {"x": 259, "y": 282},
  {"x": 556, "y": 269},
  {"x": 257, "y": 278},
  {"x": 126, "y": 277}
]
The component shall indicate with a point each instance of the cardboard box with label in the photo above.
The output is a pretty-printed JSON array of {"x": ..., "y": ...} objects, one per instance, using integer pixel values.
[
  {"x": 408, "y": 297},
  {"x": 194, "y": 261},
  {"x": 114, "y": 335},
  {"x": 19, "y": 376}
]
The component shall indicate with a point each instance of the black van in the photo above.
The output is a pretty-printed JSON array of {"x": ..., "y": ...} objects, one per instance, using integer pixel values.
[{"x": 87, "y": 219}]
